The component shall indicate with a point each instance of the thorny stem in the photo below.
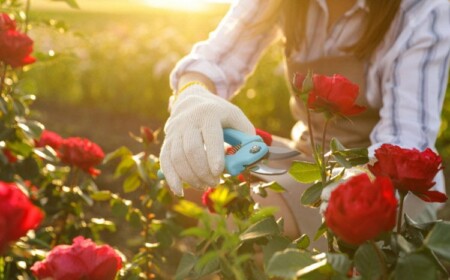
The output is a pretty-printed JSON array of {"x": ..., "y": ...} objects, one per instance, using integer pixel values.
[
  {"x": 400, "y": 211},
  {"x": 381, "y": 259},
  {"x": 73, "y": 178}
]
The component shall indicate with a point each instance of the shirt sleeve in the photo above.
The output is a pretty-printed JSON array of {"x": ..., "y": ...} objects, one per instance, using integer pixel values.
[
  {"x": 233, "y": 49},
  {"x": 414, "y": 85}
]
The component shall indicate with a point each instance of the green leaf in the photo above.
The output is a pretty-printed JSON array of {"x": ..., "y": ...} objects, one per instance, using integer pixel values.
[
  {"x": 438, "y": 239},
  {"x": 348, "y": 157},
  {"x": 28, "y": 168},
  {"x": 131, "y": 183},
  {"x": 321, "y": 231},
  {"x": 135, "y": 218},
  {"x": 71, "y": 3},
  {"x": 141, "y": 165},
  {"x": 185, "y": 266},
  {"x": 120, "y": 152},
  {"x": 274, "y": 186},
  {"x": 263, "y": 228},
  {"x": 47, "y": 153},
  {"x": 367, "y": 262},
  {"x": 188, "y": 208},
  {"x": 416, "y": 266},
  {"x": 32, "y": 129},
  {"x": 119, "y": 208},
  {"x": 197, "y": 232},
  {"x": 207, "y": 263},
  {"x": 305, "y": 172},
  {"x": 311, "y": 197},
  {"x": 101, "y": 195},
  {"x": 124, "y": 166},
  {"x": 276, "y": 244},
  {"x": 287, "y": 263},
  {"x": 302, "y": 242},
  {"x": 339, "y": 262}
]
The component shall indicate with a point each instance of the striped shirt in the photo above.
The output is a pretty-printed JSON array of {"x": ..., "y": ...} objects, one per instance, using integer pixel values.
[{"x": 406, "y": 76}]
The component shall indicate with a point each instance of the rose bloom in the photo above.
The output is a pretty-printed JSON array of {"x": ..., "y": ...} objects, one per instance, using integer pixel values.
[
  {"x": 49, "y": 138},
  {"x": 15, "y": 47},
  {"x": 359, "y": 209},
  {"x": 410, "y": 170},
  {"x": 206, "y": 200},
  {"x": 81, "y": 260},
  {"x": 334, "y": 95},
  {"x": 82, "y": 153},
  {"x": 17, "y": 214}
]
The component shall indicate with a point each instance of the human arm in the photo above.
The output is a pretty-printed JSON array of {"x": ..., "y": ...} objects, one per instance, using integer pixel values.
[
  {"x": 413, "y": 85},
  {"x": 413, "y": 81},
  {"x": 193, "y": 150}
]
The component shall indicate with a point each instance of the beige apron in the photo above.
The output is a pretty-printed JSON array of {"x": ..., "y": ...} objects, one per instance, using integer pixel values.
[{"x": 352, "y": 132}]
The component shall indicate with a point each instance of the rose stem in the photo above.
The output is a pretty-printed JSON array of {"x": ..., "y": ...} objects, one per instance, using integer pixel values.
[
  {"x": 2, "y": 78},
  {"x": 27, "y": 13},
  {"x": 323, "y": 171},
  {"x": 400, "y": 211},
  {"x": 311, "y": 137}
]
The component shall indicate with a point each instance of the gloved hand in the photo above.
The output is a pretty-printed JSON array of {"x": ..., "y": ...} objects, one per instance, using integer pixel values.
[{"x": 193, "y": 149}]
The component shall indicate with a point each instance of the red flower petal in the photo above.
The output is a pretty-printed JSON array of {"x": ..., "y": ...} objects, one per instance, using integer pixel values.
[{"x": 432, "y": 196}]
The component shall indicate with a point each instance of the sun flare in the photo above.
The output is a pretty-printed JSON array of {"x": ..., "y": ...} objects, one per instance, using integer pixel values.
[{"x": 192, "y": 5}]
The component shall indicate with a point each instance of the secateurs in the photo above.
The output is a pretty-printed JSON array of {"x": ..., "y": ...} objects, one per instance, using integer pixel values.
[{"x": 250, "y": 152}]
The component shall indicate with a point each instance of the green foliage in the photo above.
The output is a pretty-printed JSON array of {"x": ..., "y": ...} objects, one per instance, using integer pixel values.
[{"x": 166, "y": 237}]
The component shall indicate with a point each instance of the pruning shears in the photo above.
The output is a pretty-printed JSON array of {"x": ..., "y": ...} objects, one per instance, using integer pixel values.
[{"x": 249, "y": 152}]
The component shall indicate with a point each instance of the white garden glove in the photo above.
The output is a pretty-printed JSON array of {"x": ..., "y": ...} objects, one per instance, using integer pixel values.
[{"x": 193, "y": 149}]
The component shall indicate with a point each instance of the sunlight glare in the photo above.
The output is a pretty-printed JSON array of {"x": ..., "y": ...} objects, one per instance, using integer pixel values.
[{"x": 190, "y": 5}]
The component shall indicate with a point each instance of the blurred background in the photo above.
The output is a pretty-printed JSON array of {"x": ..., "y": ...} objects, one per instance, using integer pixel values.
[{"x": 103, "y": 68}]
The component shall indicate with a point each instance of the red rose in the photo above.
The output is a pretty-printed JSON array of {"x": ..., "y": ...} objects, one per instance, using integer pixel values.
[
  {"x": 49, "y": 138},
  {"x": 81, "y": 260},
  {"x": 359, "y": 210},
  {"x": 17, "y": 214},
  {"x": 6, "y": 23},
  {"x": 332, "y": 95},
  {"x": 409, "y": 170},
  {"x": 206, "y": 200},
  {"x": 15, "y": 47},
  {"x": 82, "y": 153}
]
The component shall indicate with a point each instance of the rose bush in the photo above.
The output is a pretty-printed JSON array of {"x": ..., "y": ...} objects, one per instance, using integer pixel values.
[{"x": 241, "y": 240}]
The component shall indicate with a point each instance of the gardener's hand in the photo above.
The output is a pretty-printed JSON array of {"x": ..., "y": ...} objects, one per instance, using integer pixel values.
[{"x": 193, "y": 149}]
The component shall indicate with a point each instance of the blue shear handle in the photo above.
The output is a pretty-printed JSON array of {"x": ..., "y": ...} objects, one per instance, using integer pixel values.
[
  {"x": 235, "y": 137},
  {"x": 252, "y": 150}
]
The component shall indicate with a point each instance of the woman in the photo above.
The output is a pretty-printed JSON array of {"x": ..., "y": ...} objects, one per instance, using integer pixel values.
[{"x": 396, "y": 51}]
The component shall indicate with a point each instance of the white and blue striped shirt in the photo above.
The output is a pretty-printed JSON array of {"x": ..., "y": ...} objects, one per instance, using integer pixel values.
[{"x": 406, "y": 77}]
